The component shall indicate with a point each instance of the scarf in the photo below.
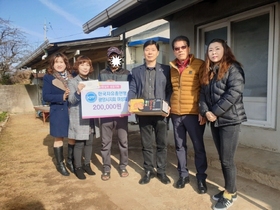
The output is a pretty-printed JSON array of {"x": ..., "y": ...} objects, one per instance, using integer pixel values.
[
  {"x": 182, "y": 64},
  {"x": 63, "y": 77}
]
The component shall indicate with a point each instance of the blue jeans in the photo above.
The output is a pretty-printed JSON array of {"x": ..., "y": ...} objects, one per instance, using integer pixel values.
[{"x": 226, "y": 141}]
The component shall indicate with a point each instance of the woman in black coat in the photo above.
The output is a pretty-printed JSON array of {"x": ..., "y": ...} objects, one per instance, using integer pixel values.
[
  {"x": 221, "y": 102},
  {"x": 55, "y": 91}
]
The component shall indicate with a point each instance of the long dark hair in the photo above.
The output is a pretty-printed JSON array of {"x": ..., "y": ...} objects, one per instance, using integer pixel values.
[{"x": 227, "y": 60}]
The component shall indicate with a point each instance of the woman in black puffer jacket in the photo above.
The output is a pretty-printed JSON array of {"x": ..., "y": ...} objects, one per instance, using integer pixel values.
[{"x": 221, "y": 102}]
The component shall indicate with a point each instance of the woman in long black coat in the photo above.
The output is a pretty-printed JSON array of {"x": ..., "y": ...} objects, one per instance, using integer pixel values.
[{"x": 55, "y": 91}]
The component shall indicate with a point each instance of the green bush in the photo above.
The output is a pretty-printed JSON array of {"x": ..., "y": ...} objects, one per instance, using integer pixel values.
[
  {"x": 3, "y": 116},
  {"x": 6, "y": 80}
]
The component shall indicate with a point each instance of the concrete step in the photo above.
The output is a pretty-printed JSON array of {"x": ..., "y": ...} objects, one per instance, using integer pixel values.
[
  {"x": 251, "y": 163},
  {"x": 255, "y": 164}
]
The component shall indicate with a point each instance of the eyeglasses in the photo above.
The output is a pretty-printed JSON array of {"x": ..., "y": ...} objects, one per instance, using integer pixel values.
[{"x": 178, "y": 48}]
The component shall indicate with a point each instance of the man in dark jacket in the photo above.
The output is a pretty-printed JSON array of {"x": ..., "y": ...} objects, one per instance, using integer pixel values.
[
  {"x": 152, "y": 80},
  {"x": 114, "y": 72}
]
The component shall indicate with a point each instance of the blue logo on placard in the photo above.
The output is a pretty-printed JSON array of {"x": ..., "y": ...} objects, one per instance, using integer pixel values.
[{"x": 91, "y": 97}]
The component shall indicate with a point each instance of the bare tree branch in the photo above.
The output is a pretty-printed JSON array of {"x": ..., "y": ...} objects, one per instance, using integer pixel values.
[{"x": 13, "y": 46}]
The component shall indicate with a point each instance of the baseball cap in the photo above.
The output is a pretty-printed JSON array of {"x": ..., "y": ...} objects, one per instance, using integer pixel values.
[{"x": 113, "y": 50}]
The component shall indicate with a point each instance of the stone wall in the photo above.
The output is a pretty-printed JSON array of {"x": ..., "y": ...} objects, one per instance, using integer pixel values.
[{"x": 19, "y": 98}]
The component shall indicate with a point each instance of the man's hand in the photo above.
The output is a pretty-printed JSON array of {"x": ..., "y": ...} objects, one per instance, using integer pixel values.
[
  {"x": 168, "y": 112},
  {"x": 202, "y": 120}
]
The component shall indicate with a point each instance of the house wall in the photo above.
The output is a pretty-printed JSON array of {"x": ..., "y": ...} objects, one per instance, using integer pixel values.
[
  {"x": 18, "y": 98},
  {"x": 207, "y": 12},
  {"x": 134, "y": 55}
]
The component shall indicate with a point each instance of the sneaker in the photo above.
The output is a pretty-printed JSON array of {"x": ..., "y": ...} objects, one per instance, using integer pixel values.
[
  {"x": 223, "y": 204},
  {"x": 88, "y": 170},
  {"x": 220, "y": 194}
]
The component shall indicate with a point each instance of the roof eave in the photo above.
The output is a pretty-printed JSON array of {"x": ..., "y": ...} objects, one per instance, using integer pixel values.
[
  {"x": 104, "y": 18},
  {"x": 160, "y": 13},
  {"x": 39, "y": 51}
]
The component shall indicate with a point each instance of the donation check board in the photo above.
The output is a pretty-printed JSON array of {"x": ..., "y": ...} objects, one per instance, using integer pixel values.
[{"x": 107, "y": 99}]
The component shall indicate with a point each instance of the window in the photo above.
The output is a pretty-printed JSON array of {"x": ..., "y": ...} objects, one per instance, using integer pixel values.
[{"x": 251, "y": 36}]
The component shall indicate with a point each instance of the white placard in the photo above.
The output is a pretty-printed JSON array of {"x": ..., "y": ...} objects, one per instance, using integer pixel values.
[
  {"x": 91, "y": 84},
  {"x": 108, "y": 100}
]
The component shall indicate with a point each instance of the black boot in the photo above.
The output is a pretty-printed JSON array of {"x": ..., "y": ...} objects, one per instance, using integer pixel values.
[
  {"x": 58, "y": 153},
  {"x": 79, "y": 172},
  {"x": 70, "y": 159},
  {"x": 88, "y": 169}
]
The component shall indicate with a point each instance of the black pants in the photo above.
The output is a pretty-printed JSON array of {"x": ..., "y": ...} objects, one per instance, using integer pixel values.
[
  {"x": 149, "y": 126},
  {"x": 226, "y": 141},
  {"x": 183, "y": 124}
]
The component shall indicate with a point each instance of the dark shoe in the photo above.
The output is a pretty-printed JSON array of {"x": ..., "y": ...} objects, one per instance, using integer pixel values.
[
  {"x": 220, "y": 194},
  {"x": 123, "y": 173},
  {"x": 223, "y": 204},
  {"x": 58, "y": 153},
  {"x": 69, "y": 165},
  {"x": 88, "y": 169},
  {"x": 105, "y": 176},
  {"x": 182, "y": 181},
  {"x": 201, "y": 186},
  {"x": 61, "y": 168},
  {"x": 70, "y": 159},
  {"x": 148, "y": 176},
  {"x": 163, "y": 178},
  {"x": 79, "y": 172}
]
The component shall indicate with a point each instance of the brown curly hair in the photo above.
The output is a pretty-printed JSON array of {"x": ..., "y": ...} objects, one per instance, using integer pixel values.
[
  {"x": 52, "y": 61},
  {"x": 80, "y": 60}
]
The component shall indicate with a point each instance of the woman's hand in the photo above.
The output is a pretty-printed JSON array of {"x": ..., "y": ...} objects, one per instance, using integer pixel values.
[
  {"x": 80, "y": 87},
  {"x": 210, "y": 116},
  {"x": 66, "y": 94}
]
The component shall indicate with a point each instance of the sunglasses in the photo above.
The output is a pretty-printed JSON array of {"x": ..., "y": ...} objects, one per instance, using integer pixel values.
[{"x": 178, "y": 48}]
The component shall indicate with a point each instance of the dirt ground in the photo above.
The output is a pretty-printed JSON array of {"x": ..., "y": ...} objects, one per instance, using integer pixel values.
[{"x": 29, "y": 180}]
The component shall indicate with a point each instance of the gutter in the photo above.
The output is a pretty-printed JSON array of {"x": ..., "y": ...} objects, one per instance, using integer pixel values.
[
  {"x": 105, "y": 17},
  {"x": 160, "y": 13}
]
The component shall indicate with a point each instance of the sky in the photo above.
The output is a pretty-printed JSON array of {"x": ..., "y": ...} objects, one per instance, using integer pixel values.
[{"x": 62, "y": 19}]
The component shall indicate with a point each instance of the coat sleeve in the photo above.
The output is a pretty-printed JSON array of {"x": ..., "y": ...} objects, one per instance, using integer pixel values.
[
  {"x": 74, "y": 98},
  {"x": 203, "y": 107},
  {"x": 234, "y": 90},
  {"x": 48, "y": 94},
  {"x": 132, "y": 86},
  {"x": 168, "y": 88}
]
